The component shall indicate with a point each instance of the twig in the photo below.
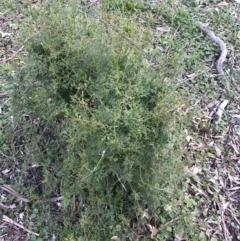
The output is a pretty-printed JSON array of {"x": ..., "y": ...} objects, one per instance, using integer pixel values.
[
  {"x": 223, "y": 206},
  {"x": 121, "y": 183},
  {"x": 9, "y": 157},
  {"x": 9, "y": 220},
  {"x": 167, "y": 224},
  {"x": 8, "y": 189}
]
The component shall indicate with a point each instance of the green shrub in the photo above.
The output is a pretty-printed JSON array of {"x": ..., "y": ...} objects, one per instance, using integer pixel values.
[{"x": 97, "y": 119}]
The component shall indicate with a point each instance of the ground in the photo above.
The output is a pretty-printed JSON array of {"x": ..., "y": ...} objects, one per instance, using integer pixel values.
[{"x": 212, "y": 147}]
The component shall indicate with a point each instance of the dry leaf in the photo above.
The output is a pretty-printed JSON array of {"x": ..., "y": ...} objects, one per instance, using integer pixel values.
[
  {"x": 218, "y": 151},
  {"x": 153, "y": 230},
  {"x": 191, "y": 76},
  {"x": 236, "y": 116},
  {"x": 235, "y": 148},
  {"x": 209, "y": 190},
  {"x": 195, "y": 169},
  {"x": 189, "y": 138},
  {"x": 211, "y": 143},
  {"x": 224, "y": 206},
  {"x": 211, "y": 105},
  {"x": 5, "y": 34},
  {"x": 21, "y": 215},
  {"x": 162, "y": 29},
  {"x": 4, "y": 172},
  {"x": 222, "y": 4},
  {"x": 12, "y": 206},
  {"x": 116, "y": 238}
]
